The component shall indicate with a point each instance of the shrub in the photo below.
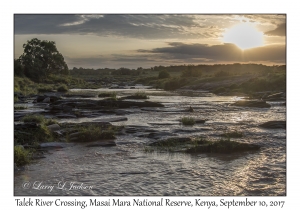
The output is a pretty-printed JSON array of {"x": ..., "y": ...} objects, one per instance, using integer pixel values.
[
  {"x": 20, "y": 107},
  {"x": 188, "y": 121},
  {"x": 222, "y": 74},
  {"x": 62, "y": 88},
  {"x": 21, "y": 156},
  {"x": 138, "y": 95},
  {"x": 34, "y": 118},
  {"x": 164, "y": 74},
  {"x": 94, "y": 133},
  {"x": 45, "y": 88}
]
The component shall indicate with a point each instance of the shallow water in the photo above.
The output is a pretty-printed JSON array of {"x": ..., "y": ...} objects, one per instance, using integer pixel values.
[{"x": 128, "y": 169}]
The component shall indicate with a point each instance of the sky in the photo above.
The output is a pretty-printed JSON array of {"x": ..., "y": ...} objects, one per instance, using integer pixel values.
[{"x": 147, "y": 40}]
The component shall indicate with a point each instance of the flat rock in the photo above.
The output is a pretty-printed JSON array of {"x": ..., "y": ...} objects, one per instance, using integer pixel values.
[
  {"x": 199, "y": 121},
  {"x": 258, "y": 104},
  {"x": 274, "y": 124},
  {"x": 174, "y": 140},
  {"x": 102, "y": 144},
  {"x": 65, "y": 116},
  {"x": 53, "y": 145},
  {"x": 114, "y": 119}
]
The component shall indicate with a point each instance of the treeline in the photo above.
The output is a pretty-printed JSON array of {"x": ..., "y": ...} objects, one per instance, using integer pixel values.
[{"x": 187, "y": 70}]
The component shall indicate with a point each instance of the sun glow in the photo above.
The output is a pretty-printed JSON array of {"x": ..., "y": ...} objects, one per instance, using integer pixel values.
[{"x": 244, "y": 35}]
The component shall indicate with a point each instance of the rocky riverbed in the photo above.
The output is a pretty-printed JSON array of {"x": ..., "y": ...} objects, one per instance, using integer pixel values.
[{"x": 113, "y": 166}]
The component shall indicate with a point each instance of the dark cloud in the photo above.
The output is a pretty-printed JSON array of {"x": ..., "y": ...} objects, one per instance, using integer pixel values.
[
  {"x": 220, "y": 53},
  {"x": 280, "y": 30},
  {"x": 137, "y": 26}
]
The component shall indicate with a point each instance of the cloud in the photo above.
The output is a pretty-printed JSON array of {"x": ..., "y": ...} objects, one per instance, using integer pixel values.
[
  {"x": 136, "y": 26},
  {"x": 220, "y": 53},
  {"x": 280, "y": 30}
]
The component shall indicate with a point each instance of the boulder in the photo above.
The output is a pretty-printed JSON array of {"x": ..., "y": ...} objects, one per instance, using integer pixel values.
[
  {"x": 53, "y": 127},
  {"x": 274, "y": 124},
  {"x": 46, "y": 100}
]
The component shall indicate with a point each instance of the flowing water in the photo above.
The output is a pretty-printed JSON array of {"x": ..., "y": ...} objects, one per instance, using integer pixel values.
[{"x": 129, "y": 169}]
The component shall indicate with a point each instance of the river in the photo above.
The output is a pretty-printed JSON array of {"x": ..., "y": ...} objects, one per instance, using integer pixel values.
[{"x": 129, "y": 169}]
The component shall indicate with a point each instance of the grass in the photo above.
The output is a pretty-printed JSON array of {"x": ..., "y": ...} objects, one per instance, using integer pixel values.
[
  {"x": 108, "y": 94},
  {"x": 138, "y": 95},
  {"x": 62, "y": 88},
  {"x": 94, "y": 133},
  {"x": 222, "y": 146},
  {"x": 200, "y": 145},
  {"x": 20, "y": 107},
  {"x": 34, "y": 118},
  {"x": 45, "y": 88},
  {"x": 188, "y": 121},
  {"x": 21, "y": 156},
  {"x": 233, "y": 134},
  {"x": 37, "y": 134}
]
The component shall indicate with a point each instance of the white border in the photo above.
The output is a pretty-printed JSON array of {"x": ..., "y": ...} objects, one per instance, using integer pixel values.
[{"x": 154, "y": 6}]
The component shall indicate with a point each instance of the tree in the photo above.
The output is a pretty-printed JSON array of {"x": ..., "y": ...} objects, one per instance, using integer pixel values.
[
  {"x": 163, "y": 74},
  {"x": 190, "y": 71},
  {"x": 41, "y": 58}
]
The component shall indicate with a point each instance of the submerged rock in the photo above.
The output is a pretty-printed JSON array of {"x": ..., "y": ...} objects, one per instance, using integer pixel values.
[
  {"x": 222, "y": 146},
  {"x": 258, "y": 104},
  {"x": 171, "y": 141},
  {"x": 102, "y": 144},
  {"x": 276, "y": 97},
  {"x": 274, "y": 124}
]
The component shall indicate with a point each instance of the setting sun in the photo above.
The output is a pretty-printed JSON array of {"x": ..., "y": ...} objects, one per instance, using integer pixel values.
[{"x": 243, "y": 35}]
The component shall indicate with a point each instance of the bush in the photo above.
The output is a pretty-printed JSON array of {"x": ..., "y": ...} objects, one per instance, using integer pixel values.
[
  {"x": 188, "y": 121},
  {"x": 138, "y": 95},
  {"x": 164, "y": 74},
  {"x": 62, "y": 88},
  {"x": 21, "y": 156},
  {"x": 34, "y": 118},
  {"x": 222, "y": 74},
  {"x": 94, "y": 133},
  {"x": 45, "y": 88},
  {"x": 20, "y": 107},
  {"x": 175, "y": 83}
]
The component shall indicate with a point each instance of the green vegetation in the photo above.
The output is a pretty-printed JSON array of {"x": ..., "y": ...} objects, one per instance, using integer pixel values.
[
  {"x": 191, "y": 71},
  {"x": 188, "y": 121},
  {"x": 34, "y": 118},
  {"x": 163, "y": 74},
  {"x": 20, "y": 107},
  {"x": 94, "y": 133},
  {"x": 62, "y": 88},
  {"x": 24, "y": 86},
  {"x": 222, "y": 146},
  {"x": 138, "y": 95},
  {"x": 108, "y": 94},
  {"x": 40, "y": 58},
  {"x": 45, "y": 88},
  {"x": 21, "y": 156},
  {"x": 200, "y": 145}
]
